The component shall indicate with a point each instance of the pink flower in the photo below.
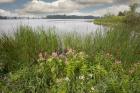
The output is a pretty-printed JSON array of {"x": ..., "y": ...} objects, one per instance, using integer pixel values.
[
  {"x": 54, "y": 54},
  {"x": 118, "y": 62}
]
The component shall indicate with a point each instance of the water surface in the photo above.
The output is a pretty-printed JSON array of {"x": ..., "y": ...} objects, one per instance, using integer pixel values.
[{"x": 60, "y": 25}]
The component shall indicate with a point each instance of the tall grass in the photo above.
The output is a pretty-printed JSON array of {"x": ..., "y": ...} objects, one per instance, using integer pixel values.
[
  {"x": 110, "y": 20},
  {"x": 32, "y": 60},
  {"x": 121, "y": 41}
]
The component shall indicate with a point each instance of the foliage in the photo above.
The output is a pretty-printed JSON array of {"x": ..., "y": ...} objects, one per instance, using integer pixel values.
[
  {"x": 34, "y": 61},
  {"x": 131, "y": 18},
  {"x": 74, "y": 74},
  {"x": 110, "y": 20}
]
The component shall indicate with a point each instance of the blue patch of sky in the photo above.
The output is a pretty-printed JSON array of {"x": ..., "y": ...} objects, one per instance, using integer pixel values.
[
  {"x": 49, "y": 0},
  {"x": 17, "y": 4},
  {"x": 14, "y": 5}
]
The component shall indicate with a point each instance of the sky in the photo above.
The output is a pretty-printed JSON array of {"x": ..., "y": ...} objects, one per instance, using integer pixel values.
[{"x": 68, "y": 7}]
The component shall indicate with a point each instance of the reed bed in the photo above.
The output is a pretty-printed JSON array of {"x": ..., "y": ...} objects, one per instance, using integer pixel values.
[{"x": 39, "y": 61}]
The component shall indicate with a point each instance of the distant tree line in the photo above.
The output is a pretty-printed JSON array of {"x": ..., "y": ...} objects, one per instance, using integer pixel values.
[
  {"x": 70, "y": 17},
  {"x": 52, "y": 17}
]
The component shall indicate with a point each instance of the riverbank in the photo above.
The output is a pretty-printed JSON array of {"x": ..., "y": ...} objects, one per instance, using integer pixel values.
[
  {"x": 110, "y": 21},
  {"x": 41, "y": 61}
]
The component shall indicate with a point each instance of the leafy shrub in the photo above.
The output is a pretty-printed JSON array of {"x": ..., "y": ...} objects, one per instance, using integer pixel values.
[{"x": 71, "y": 73}]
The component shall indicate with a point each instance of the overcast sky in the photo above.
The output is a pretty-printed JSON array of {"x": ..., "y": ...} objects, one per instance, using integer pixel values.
[{"x": 71, "y": 7}]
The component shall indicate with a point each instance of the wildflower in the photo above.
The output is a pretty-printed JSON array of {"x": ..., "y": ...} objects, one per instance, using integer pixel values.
[
  {"x": 90, "y": 75},
  {"x": 54, "y": 54},
  {"x": 108, "y": 54},
  {"x": 67, "y": 79},
  {"x": 131, "y": 71},
  {"x": 70, "y": 51},
  {"x": 81, "y": 53},
  {"x": 92, "y": 88},
  {"x": 40, "y": 57},
  {"x": 81, "y": 77},
  {"x": 61, "y": 56},
  {"x": 136, "y": 65},
  {"x": 59, "y": 80},
  {"x": 117, "y": 62}
]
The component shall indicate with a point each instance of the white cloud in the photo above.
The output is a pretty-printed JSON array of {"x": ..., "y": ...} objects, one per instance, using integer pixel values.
[
  {"x": 91, "y": 2},
  {"x": 69, "y": 7},
  {"x": 60, "y": 5},
  {"x": 4, "y": 12},
  {"x": 7, "y": 1},
  {"x": 57, "y": 6},
  {"x": 113, "y": 10},
  {"x": 7, "y": 13}
]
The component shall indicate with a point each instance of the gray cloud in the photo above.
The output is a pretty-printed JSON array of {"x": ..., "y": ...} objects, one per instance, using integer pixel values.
[
  {"x": 61, "y": 5},
  {"x": 7, "y": 1},
  {"x": 92, "y": 2},
  {"x": 122, "y": 1},
  {"x": 67, "y": 6}
]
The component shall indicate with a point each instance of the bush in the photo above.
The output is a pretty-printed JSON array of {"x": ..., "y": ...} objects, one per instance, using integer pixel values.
[{"x": 73, "y": 73}]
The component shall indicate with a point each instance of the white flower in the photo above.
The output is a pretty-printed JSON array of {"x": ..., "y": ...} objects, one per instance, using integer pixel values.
[
  {"x": 90, "y": 75},
  {"x": 67, "y": 79},
  {"x": 59, "y": 80},
  {"x": 81, "y": 77},
  {"x": 92, "y": 88}
]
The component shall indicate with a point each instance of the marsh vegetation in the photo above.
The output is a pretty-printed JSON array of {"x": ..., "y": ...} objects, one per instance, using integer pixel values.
[{"x": 40, "y": 61}]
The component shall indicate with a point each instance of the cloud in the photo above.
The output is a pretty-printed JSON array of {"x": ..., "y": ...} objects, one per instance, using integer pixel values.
[
  {"x": 7, "y": 13},
  {"x": 122, "y": 1},
  {"x": 57, "y": 6},
  {"x": 72, "y": 6},
  {"x": 4, "y": 12},
  {"x": 113, "y": 10},
  {"x": 7, "y": 1},
  {"x": 60, "y": 5},
  {"x": 92, "y": 2}
]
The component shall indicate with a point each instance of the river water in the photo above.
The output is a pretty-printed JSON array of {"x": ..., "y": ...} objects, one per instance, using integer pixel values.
[{"x": 83, "y": 26}]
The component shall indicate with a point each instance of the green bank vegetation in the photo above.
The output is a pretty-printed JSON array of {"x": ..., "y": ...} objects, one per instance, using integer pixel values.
[
  {"x": 39, "y": 61},
  {"x": 43, "y": 62},
  {"x": 127, "y": 17},
  {"x": 110, "y": 20}
]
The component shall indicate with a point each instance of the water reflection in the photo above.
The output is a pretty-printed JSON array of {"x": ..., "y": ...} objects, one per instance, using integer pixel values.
[{"x": 60, "y": 25}]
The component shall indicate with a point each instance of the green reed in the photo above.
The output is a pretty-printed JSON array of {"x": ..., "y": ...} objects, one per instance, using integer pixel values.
[{"x": 35, "y": 60}]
